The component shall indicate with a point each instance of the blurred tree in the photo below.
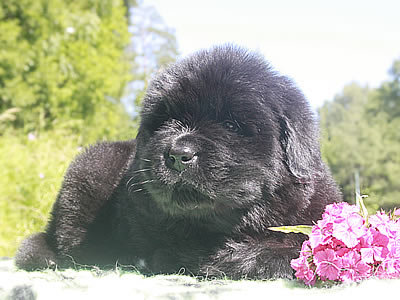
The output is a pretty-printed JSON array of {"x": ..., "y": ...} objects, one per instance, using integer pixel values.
[
  {"x": 384, "y": 112},
  {"x": 129, "y": 4},
  {"x": 64, "y": 62},
  {"x": 359, "y": 134},
  {"x": 342, "y": 125},
  {"x": 69, "y": 64},
  {"x": 155, "y": 46},
  {"x": 389, "y": 93}
]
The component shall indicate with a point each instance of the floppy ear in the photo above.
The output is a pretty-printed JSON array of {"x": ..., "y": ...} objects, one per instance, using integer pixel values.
[{"x": 300, "y": 152}]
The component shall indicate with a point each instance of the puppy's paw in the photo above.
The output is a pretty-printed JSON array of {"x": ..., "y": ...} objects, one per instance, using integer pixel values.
[{"x": 35, "y": 254}]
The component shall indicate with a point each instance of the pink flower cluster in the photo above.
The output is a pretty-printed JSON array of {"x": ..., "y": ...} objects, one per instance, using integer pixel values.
[{"x": 346, "y": 247}]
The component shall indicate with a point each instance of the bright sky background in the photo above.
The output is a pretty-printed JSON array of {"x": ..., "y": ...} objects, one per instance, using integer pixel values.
[{"x": 322, "y": 45}]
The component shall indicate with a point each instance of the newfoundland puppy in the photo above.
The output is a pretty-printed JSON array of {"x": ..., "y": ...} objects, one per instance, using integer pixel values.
[{"x": 226, "y": 148}]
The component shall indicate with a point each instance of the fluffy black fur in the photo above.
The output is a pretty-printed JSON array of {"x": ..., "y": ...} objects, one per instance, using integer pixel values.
[{"x": 226, "y": 148}]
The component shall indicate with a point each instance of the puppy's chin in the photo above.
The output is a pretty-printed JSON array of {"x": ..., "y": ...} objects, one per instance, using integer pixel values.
[{"x": 180, "y": 199}]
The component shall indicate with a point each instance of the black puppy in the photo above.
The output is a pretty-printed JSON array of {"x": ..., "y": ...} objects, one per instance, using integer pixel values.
[{"x": 226, "y": 148}]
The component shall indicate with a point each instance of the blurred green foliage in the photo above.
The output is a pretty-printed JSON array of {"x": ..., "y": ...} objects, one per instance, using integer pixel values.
[
  {"x": 63, "y": 62},
  {"x": 361, "y": 133}
]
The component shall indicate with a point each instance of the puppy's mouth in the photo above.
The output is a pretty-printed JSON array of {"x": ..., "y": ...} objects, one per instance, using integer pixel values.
[
  {"x": 181, "y": 199},
  {"x": 187, "y": 196}
]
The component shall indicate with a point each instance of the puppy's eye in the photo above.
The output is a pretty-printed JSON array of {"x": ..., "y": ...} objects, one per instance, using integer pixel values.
[{"x": 231, "y": 126}]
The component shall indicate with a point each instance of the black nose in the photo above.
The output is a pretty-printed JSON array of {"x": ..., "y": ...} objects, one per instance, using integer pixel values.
[{"x": 180, "y": 157}]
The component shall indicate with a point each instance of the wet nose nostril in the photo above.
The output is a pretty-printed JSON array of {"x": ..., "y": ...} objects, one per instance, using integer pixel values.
[
  {"x": 186, "y": 158},
  {"x": 179, "y": 158},
  {"x": 171, "y": 159}
]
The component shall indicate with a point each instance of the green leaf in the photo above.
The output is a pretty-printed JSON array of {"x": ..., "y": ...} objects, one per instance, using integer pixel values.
[
  {"x": 304, "y": 229},
  {"x": 360, "y": 204}
]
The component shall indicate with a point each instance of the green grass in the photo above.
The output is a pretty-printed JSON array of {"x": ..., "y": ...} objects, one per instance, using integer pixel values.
[{"x": 31, "y": 173}]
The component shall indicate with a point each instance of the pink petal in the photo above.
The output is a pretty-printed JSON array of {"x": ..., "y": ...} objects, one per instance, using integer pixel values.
[
  {"x": 327, "y": 264},
  {"x": 367, "y": 255}
]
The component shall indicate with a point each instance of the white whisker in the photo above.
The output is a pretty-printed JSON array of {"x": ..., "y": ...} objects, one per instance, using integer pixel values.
[
  {"x": 145, "y": 159},
  {"x": 142, "y": 182},
  {"x": 141, "y": 170}
]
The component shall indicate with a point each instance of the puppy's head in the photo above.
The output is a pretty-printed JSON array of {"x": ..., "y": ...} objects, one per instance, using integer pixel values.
[{"x": 220, "y": 131}]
